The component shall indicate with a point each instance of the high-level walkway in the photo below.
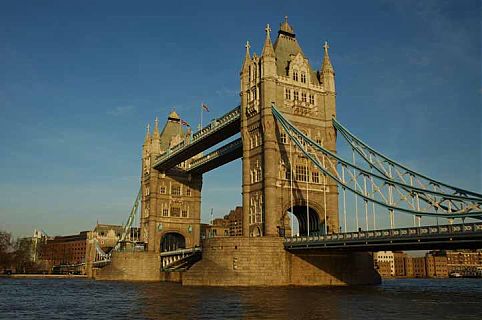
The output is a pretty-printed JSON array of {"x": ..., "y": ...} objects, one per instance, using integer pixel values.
[{"x": 218, "y": 130}]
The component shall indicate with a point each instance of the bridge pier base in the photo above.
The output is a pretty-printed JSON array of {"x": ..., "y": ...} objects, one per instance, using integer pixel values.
[
  {"x": 131, "y": 266},
  {"x": 248, "y": 261}
]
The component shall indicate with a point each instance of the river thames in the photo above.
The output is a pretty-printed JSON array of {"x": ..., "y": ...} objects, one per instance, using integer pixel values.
[{"x": 88, "y": 299}]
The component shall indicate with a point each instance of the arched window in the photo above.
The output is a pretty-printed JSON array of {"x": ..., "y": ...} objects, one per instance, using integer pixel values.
[
  {"x": 303, "y": 77},
  {"x": 295, "y": 75}
]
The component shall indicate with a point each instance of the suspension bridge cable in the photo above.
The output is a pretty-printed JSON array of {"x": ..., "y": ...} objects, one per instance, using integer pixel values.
[{"x": 287, "y": 126}]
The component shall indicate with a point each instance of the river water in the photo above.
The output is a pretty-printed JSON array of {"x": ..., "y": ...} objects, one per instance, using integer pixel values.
[{"x": 88, "y": 299}]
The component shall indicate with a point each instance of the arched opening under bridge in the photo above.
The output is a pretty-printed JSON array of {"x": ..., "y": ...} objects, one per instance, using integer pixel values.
[
  {"x": 305, "y": 219},
  {"x": 172, "y": 241}
]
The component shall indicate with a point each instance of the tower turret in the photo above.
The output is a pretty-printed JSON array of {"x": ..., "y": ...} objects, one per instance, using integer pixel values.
[
  {"x": 155, "y": 138},
  {"x": 146, "y": 146},
  {"x": 327, "y": 71},
  {"x": 268, "y": 57}
]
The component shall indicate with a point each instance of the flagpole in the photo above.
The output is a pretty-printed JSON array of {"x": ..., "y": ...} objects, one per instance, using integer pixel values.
[{"x": 201, "y": 117}]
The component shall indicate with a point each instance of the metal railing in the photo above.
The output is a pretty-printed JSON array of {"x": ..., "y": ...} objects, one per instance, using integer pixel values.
[
  {"x": 388, "y": 234},
  {"x": 169, "y": 259}
]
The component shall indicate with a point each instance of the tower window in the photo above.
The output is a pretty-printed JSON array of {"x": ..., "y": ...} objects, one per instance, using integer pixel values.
[
  {"x": 315, "y": 177},
  {"x": 184, "y": 213},
  {"x": 283, "y": 137},
  {"x": 303, "y": 77},
  {"x": 188, "y": 192},
  {"x": 312, "y": 99},
  {"x": 176, "y": 190},
  {"x": 165, "y": 212},
  {"x": 162, "y": 189},
  {"x": 295, "y": 75},
  {"x": 175, "y": 211},
  {"x": 295, "y": 94},
  {"x": 301, "y": 173},
  {"x": 287, "y": 94}
]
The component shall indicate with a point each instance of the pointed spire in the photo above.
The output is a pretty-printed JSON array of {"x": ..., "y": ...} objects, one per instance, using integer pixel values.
[
  {"x": 247, "y": 46},
  {"x": 268, "y": 47},
  {"x": 148, "y": 133},
  {"x": 155, "y": 133},
  {"x": 247, "y": 57},
  {"x": 326, "y": 65}
]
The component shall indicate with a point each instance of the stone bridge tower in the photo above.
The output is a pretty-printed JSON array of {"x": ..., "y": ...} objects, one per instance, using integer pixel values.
[
  {"x": 277, "y": 178},
  {"x": 171, "y": 200}
]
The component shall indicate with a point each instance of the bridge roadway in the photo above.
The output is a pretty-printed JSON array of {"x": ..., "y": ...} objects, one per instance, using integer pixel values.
[
  {"x": 218, "y": 130},
  {"x": 455, "y": 236}
]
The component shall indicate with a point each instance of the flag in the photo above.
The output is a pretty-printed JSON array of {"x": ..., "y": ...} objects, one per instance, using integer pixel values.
[
  {"x": 204, "y": 107},
  {"x": 184, "y": 123}
]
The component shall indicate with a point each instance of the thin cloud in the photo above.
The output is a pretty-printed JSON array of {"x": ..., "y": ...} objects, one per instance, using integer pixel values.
[{"x": 120, "y": 110}]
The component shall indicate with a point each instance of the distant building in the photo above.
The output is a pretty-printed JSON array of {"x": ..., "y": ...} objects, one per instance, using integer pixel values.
[
  {"x": 381, "y": 259},
  {"x": 399, "y": 263},
  {"x": 384, "y": 268},
  {"x": 235, "y": 222},
  {"x": 218, "y": 228},
  {"x": 419, "y": 268},
  {"x": 466, "y": 262},
  {"x": 436, "y": 265},
  {"x": 65, "y": 250},
  {"x": 408, "y": 264}
]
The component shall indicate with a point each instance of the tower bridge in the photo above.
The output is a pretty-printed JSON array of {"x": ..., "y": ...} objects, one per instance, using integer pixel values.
[{"x": 288, "y": 136}]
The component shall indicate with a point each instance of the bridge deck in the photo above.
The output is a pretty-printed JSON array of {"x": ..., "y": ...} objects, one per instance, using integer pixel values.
[{"x": 456, "y": 236}]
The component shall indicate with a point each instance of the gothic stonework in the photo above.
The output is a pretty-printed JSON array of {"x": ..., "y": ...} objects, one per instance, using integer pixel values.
[
  {"x": 283, "y": 75},
  {"x": 171, "y": 200}
]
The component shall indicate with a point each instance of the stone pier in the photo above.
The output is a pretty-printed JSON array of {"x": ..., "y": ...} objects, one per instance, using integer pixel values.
[{"x": 248, "y": 261}]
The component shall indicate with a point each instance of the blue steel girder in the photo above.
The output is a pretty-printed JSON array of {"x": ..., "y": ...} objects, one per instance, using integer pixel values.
[
  {"x": 218, "y": 130},
  {"x": 383, "y": 189}
]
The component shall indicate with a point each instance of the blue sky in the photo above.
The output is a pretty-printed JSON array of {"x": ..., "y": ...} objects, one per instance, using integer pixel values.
[{"x": 79, "y": 80}]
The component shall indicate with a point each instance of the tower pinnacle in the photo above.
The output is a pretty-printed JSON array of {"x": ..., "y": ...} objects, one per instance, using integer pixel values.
[
  {"x": 155, "y": 133},
  {"x": 247, "y": 46},
  {"x": 326, "y": 66},
  {"x": 268, "y": 47},
  {"x": 268, "y": 31},
  {"x": 247, "y": 57},
  {"x": 148, "y": 133},
  {"x": 286, "y": 29}
]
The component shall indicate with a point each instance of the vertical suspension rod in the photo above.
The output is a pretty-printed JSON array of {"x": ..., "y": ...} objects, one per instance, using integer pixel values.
[
  {"x": 344, "y": 197},
  {"x": 356, "y": 196}
]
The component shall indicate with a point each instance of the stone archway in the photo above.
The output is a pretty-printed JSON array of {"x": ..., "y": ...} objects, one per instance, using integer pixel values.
[
  {"x": 172, "y": 241},
  {"x": 305, "y": 216},
  {"x": 256, "y": 232}
]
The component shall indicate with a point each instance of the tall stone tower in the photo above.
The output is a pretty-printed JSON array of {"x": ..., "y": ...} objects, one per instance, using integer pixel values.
[
  {"x": 171, "y": 200},
  {"x": 277, "y": 178}
]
